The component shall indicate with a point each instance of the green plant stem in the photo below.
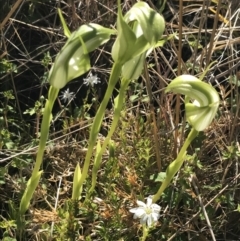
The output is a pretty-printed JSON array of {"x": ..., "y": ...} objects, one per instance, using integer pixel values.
[
  {"x": 114, "y": 77},
  {"x": 145, "y": 233},
  {"x": 116, "y": 116},
  {"x": 47, "y": 117},
  {"x": 174, "y": 167},
  {"x": 93, "y": 185},
  {"x": 36, "y": 174}
]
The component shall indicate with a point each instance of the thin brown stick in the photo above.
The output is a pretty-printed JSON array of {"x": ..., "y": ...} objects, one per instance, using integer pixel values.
[
  {"x": 211, "y": 45},
  {"x": 177, "y": 108},
  {"x": 10, "y": 14},
  {"x": 194, "y": 181},
  {"x": 155, "y": 129}
]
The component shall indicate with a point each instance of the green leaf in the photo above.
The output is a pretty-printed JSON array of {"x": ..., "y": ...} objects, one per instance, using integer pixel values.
[
  {"x": 97, "y": 161},
  {"x": 77, "y": 189},
  {"x": 133, "y": 98},
  {"x": 6, "y": 224},
  {"x": 133, "y": 68},
  {"x": 65, "y": 28},
  {"x": 8, "y": 239},
  {"x": 27, "y": 196},
  {"x": 122, "y": 47},
  {"x": 238, "y": 208},
  {"x": 160, "y": 177}
]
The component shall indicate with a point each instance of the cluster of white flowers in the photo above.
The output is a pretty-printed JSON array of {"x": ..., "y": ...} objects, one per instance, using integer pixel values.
[
  {"x": 147, "y": 213},
  {"x": 92, "y": 80}
]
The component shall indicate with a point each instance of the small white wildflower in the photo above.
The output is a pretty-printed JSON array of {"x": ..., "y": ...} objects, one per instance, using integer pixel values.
[
  {"x": 66, "y": 95},
  {"x": 147, "y": 213},
  {"x": 91, "y": 80}
]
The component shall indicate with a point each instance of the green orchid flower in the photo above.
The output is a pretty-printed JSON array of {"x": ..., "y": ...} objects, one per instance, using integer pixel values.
[
  {"x": 73, "y": 60},
  {"x": 201, "y": 103},
  {"x": 137, "y": 33},
  {"x": 145, "y": 34}
]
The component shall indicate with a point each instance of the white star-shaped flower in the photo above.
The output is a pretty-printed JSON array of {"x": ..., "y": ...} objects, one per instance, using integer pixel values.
[
  {"x": 91, "y": 80},
  {"x": 147, "y": 213},
  {"x": 66, "y": 95}
]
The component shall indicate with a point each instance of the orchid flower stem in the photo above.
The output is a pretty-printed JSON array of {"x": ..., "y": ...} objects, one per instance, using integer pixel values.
[
  {"x": 174, "y": 167},
  {"x": 36, "y": 174},
  {"x": 93, "y": 185},
  {"x": 47, "y": 116},
  {"x": 114, "y": 77},
  {"x": 116, "y": 116}
]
